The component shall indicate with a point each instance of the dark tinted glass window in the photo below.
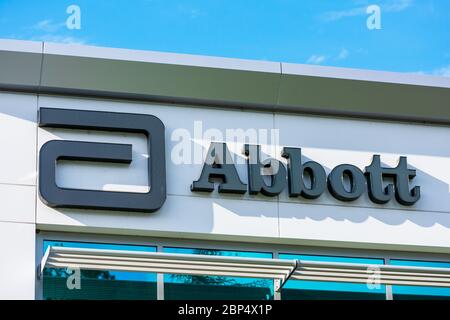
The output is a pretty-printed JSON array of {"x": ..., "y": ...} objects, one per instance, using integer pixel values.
[
  {"x": 320, "y": 290},
  {"x": 66, "y": 284},
  {"x": 179, "y": 287}
]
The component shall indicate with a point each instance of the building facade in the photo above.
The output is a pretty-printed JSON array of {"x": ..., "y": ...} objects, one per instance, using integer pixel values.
[{"x": 167, "y": 156}]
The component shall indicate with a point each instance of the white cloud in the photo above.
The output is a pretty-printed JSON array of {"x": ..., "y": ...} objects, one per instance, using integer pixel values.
[
  {"x": 439, "y": 72},
  {"x": 195, "y": 13},
  {"x": 48, "y": 26},
  {"x": 320, "y": 58},
  {"x": 337, "y": 15},
  {"x": 192, "y": 13},
  {"x": 387, "y": 6},
  {"x": 49, "y": 31},
  {"x": 343, "y": 54},
  {"x": 442, "y": 72},
  {"x": 316, "y": 59},
  {"x": 397, "y": 5},
  {"x": 58, "y": 39}
]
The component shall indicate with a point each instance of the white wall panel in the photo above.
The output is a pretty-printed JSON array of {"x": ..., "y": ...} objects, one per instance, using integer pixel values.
[
  {"x": 336, "y": 141},
  {"x": 176, "y": 119},
  {"x": 17, "y": 267},
  {"x": 358, "y": 227},
  {"x": 18, "y": 113},
  {"x": 325, "y": 140},
  {"x": 17, "y": 203},
  {"x": 180, "y": 215}
]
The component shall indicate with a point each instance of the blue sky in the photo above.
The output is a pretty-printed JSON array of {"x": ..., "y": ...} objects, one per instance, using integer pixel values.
[{"x": 414, "y": 35}]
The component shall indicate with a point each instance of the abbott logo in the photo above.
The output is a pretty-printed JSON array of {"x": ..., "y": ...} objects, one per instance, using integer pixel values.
[{"x": 55, "y": 150}]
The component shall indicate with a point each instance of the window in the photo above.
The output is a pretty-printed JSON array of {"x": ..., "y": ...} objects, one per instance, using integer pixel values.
[
  {"x": 61, "y": 284},
  {"x": 212, "y": 274},
  {"x": 418, "y": 292},
  {"x": 193, "y": 287},
  {"x": 322, "y": 290}
]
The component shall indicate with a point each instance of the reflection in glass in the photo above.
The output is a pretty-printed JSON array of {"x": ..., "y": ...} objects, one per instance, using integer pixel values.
[
  {"x": 418, "y": 292},
  {"x": 61, "y": 284},
  {"x": 321, "y": 290},
  {"x": 198, "y": 287}
]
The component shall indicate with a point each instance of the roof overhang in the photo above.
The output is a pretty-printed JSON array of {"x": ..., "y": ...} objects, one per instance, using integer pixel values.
[{"x": 50, "y": 68}]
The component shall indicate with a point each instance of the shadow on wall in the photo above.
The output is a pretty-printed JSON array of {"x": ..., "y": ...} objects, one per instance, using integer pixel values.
[
  {"x": 427, "y": 212},
  {"x": 220, "y": 208},
  {"x": 13, "y": 111},
  {"x": 433, "y": 190}
]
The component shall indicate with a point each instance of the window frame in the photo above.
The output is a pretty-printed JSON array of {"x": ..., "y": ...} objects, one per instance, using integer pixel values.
[{"x": 275, "y": 249}]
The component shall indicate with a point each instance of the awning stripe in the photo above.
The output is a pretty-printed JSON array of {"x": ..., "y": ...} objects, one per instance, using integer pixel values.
[{"x": 212, "y": 265}]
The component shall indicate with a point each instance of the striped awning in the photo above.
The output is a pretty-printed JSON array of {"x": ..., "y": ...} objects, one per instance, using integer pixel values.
[{"x": 211, "y": 265}]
